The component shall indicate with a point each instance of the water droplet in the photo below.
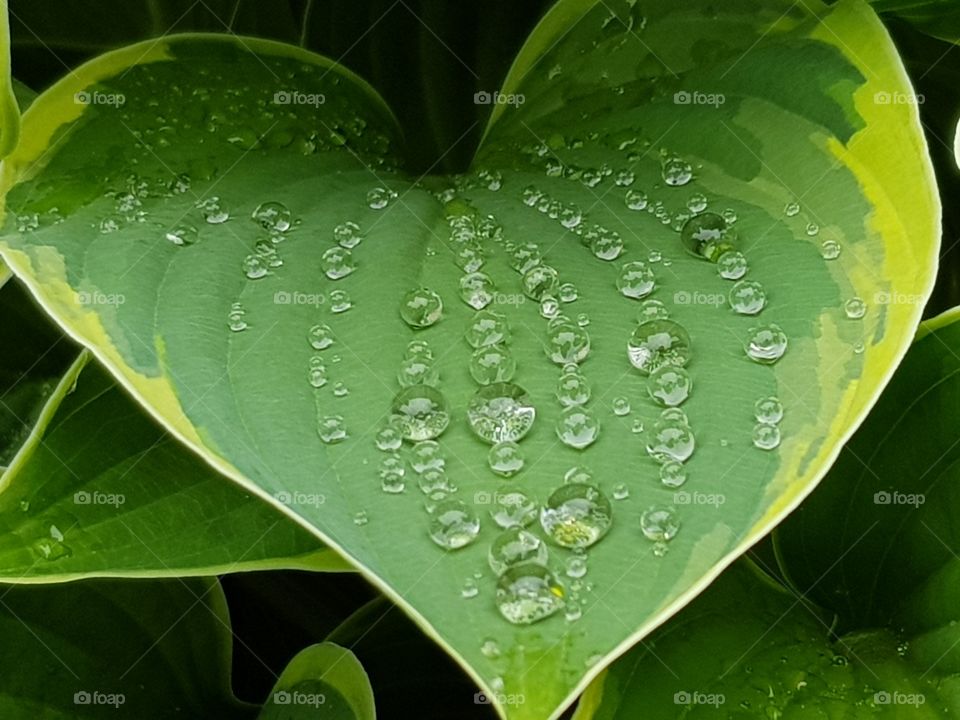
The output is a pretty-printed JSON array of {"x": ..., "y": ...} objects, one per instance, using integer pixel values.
[
  {"x": 470, "y": 589},
  {"x": 669, "y": 386},
  {"x": 273, "y": 216},
  {"x": 427, "y": 455},
  {"x": 567, "y": 343},
  {"x": 674, "y": 414},
  {"x": 636, "y": 280},
  {"x": 855, "y": 308},
  {"x": 813, "y": 229},
  {"x": 637, "y": 426},
  {"x": 379, "y": 198},
  {"x": 435, "y": 484},
  {"x": 708, "y": 236},
  {"x": 453, "y": 524},
  {"x": 513, "y": 508},
  {"x": 652, "y": 310},
  {"x": 768, "y": 410},
  {"x": 516, "y": 546},
  {"x": 697, "y": 203},
  {"x": 422, "y": 412},
  {"x": 732, "y": 265},
  {"x": 527, "y": 593},
  {"x": 568, "y": 293},
  {"x": 673, "y": 474},
  {"x": 621, "y": 491},
  {"x": 506, "y": 459},
  {"x": 419, "y": 349},
  {"x": 477, "y": 290},
  {"x": 236, "y": 318},
  {"x": 624, "y": 178},
  {"x": 621, "y": 406},
  {"x": 730, "y": 215},
  {"x": 392, "y": 466},
  {"x": 636, "y": 199},
  {"x": 670, "y": 440},
  {"x": 183, "y": 235},
  {"x": 361, "y": 518},
  {"x": 792, "y": 209},
  {"x": 490, "y": 648},
  {"x": 573, "y": 389},
  {"x": 255, "y": 267},
  {"x": 578, "y": 474},
  {"x": 747, "y": 297},
  {"x": 337, "y": 262},
  {"x": 417, "y": 371},
  {"x": 677, "y": 172},
  {"x": 657, "y": 343},
  {"x": 492, "y": 364},
  {"x": 213, "y": 211},
  {"x": 340, "y": 301},
  {"x": 766, "y": 344},
  {"x": 524, "y": 257},
  {"x": 347, "y": 235},
  {"x": 830, "y": 249},
  {"x": 607, "y": 245},
  {"x": 549, "y": 307},
  {"x": 576, "y": 515},
  {"x": 500, "y": 412},
  {"x": 576, "y": 566},
  {"x": 539, "y": 281},
  {"x": 583, "y": 319},
  {"x": 331, "y": 429},
  {"x": 389, "y": 437},
  {"x": 487, "y": 328},
  {"x": 320, "y": 337},
  {"x": 317, "y": 374},
  {"x": 578, "y": 427},
  {"x": 421, "y": 308},
  {"x": 660, "y": 523},
  {"x": 766, "y": 437}
]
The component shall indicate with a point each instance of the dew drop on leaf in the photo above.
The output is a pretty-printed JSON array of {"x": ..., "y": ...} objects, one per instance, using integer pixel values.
[
  {"x": 527, "y": 593},
  {"x": 516, "y": 546},
  {"x": 576, "y": 515},
  {"x": 501, "y": 411},
  {"x": 453, "y": 524}
]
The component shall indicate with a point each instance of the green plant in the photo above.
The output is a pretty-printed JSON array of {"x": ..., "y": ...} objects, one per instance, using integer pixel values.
[{"x": 309, "y": 341}]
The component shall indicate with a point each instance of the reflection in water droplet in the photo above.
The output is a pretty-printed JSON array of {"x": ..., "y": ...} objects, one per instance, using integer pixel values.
[
  {"x": 567, "y": 343},
  {"x": 568, "y": 293},
  {"x": 652, "y": 310},
  {"x": 573, "y": 389},
  {"x": 389, "y": 437},
  {"x": 332, "y": 429},
  {"x": 621, "y": 406},
  {"x": 454, "y": 524},
  {"x": 422, "y": 412},
  {"x": 830, "y": 249},
  {"x": 677, "y": 172},
  {"x": 539, "y": 281},
  {"x": 670, "y": 386},
  {"x": 527, "y": 593},
  {"x": 340, "y": 301},
  {"x": 492, "y": 364},
  {"x": 578, "y": 474},
  {"x": 417, "y": 371},
  {"x": 660, "y": 523},
  {"x": 427, "y": 455},
  {"x": 513, "y": 508},
  {"x": 576, "y": 515},
  {"x": 435, "y": 484},
  {"x": 487, "y": 328},
  {"x": 506, "y": 459},
  {"x": 337, "y": 262},
  {"x": 697, "y": 203},
  {"x": 183, "y": 235},
  {"x": 813, "y": 229},
  {"x": 477, "y": 290},
  {"x": 766, "y": 437},
  {"x": 670, "y": 440},
  {"x": 747, "y": 297},
  {"x": 347, "y": 235},
  {"x": 236, "y": 318},
  {"x": 855, "y": 308},
  {"x": 707, "y": 236},
  {"x": 470, "y": 589},
  {"x": 766, "y": 344},
  {"x": 576, "y": 566},
  {"x": 255, "y": 267},
  {"x": 501, "y": 411},
  {"x": 524, "y": 257},
  {"x": 515, "y": 546},
  {"x": 636, "y": 199},
  {"x": 636, "y": 280},
  {"x": 317, "y": 375},
  {"x": 578, "y": 427},
  {"x": 768, "y": 410},
  {"x": 379, "y": 198},
  {"x": 420, "y": 308},
  {"x": 732, "y": 265},
  {"x": 657, "y": 343},
  {"x": 320, "y": 337},
  {"x": 273, "y": 216},
  {"x": 213, "y": 211},
  {"x": 673, "y": 474}
]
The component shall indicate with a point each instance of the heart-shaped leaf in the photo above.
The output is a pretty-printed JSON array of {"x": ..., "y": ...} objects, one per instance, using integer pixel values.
[{"x": 129, "y": 206}]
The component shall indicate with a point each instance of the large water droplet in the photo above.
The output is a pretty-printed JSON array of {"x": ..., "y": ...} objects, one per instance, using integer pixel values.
[
  {"x": 567, "y": 343},
  {"x": 420, "y": 308},
  {"x": 454, "y": 524},
  {"x": 578, "y": 427},
  {"x": 636, "y": 280},
  {"x": 492, "y": 364},
  {"x": 766, "y": 344},
  {"x": 487, "y": 328},
  {"x": 539, "y": 281},
  {"x": 527, "y": 593},
  {"x": 657, "y": 343},
  {"x": 576, "y": 515},
  {"x": 670, "y": 440},
  {"x": 516, "y": 546},
  {"x": 273, "y": 216},
  {"x": 708, "y": 236},
  {"x": 422, "y": 412},
  {"x": 500, "y": 412},
  {"x": 747, "y": 297},
  {"x": 669, "y": 386}
]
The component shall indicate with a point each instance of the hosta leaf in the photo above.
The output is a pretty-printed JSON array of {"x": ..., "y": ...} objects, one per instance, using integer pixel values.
[
  {"x": 325, "y": 680},
  {"x": 602, "y": 87},
  {"x": 115, "y": 649},
  {"x": 9, "y": 111},
  {"x": 940, "y": 18}
]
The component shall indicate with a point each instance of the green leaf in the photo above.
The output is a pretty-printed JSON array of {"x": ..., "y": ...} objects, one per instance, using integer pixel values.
[
  {"x": 747, "y": 648},
  {"x": 940, "y": 18},
  {"x": 157, "y": 314},
  {"x": 9, "y": 112},
  {"x": 114, "y": 649},
  {"x": 323, "y": 678}
]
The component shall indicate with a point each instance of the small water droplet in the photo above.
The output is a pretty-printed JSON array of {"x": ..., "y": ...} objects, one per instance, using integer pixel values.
[
  {"x": 766, "y": 437},
  {"x": 573, "y": 389},
  {"x": 830, "y": 249},
  {"x": 453, "y": 524},
  {"x": 501, "y": 411},
  {"x": 361, "y": 518},
  {"x": 660, "y": 523},
  {"x": 576, "y": 566},
  {"x": 378, "y": 198},
  {"x": 418, "y": 371},
  {"x": 236, "y": 318},
  {"x": 332, "y": 429},
  {"x": 792, "y": 209},
  {"x": 747, "y": 297},
  {"x": 273, "y": 216},
  {"x": 516, "y": 546},
  {"x": 320, "y": 337},
  {"x": 578, "y": 474},
  {"x": 427, "y": 455},
  {"x": 422, "y": 412},
  {"x": 669, "y": 386},
  {"x": 567, "y": 343},
  {"x": 490, "y": 648},
  {"x": 578, "y": 427},
  {"x": 766, "y": 344},
  {"x": 477, "y": 290},
  {"x": 255, "y": 267},
  {"x": 420, "y": 308},
  {"x": 568, "y": 293},
  {"x": 637, "y": 426},
  {"x": 652, "y": 310},
  {"x": 656, "y": 343},
  {"x": 607, "y": 245},
  {"x": 183, "y": 235},
  {"x": 732, "y": 265},
  {"x": 576, "y": 515},
  {"x": 621, "y": 491},
  {"x": 676, "y": 172},
  {"x": 855, "y": 308},
  {"x": 539, "y": 281},
  {"x": 768, "y": 410},
  {"x": 213, "y": 210},
  {"x": 670, "y": 440},
  {"x": 487, "y": 328},
  {"x": 513, "y": 508},
  {"x": 527, "y": 593},
  {"x": 347, "y": 235},
  {"x": 813, "y": 229},
  {"x": 621, "y": 406},
  {"x": 707, "y": 236},
  {"x": 389, "y": 437},
  {"x": 506, "y": 458},
  {"x": 337, "y": 262},
  {"x": 636, "y": 199},
  {"x": 524, "y": 257},
  {"x": 340, "y": 301},
  {"x": 317, "y": 375},
  {"x": 435, "y": 484},
  {"x": 470, "y": 589},
  {"x": 636, "y": 280},
  {"x": 673, "y": 474}
]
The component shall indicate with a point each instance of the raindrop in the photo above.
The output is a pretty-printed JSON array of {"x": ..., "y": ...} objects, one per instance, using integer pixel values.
[
  {"x": 608, "y": 245},
  {"x": 418, "y": 349},
  {"x": 657, "y": 343},
  {"x": 492, "y": 364},
  {"x": 487, "y": 328},
  {"x": 659, "y": 523},
  {"x": 435, "y": 484},
  {"x": 567, "y": 343},
  {"x": 573, "y": 389},
  {"x": 792, "y": 209},
  {"x": 549, "y": 307},
  {"x": 361, "y": 518},
  {"x": 236, "y": 318},
  {"x": 501, "y": 411},
  {"x": 427, "y": 455},
  {"x": 670, "y": 440},
  {"x": 340, "y": 301},
  {"x": 766, "y": 344},
  {"x": 576, "y": 566},
  {"x": 337, "y": 262},
  {"x": 524, "y": 257},
  {"x": 454, "y": 524},
  {"x": 766, "y": 437},
  {"x": 422, "y": 412},
  {"x": 527, "y": 593},
  {"x": 830, "y": 249},
  {"x": 512, "y": 509},
  {"x": 636, "y": 200},
  {"x": 708, "y": 236},
  {"x": 417, "y": 371},
  {"x": 674, "y": 414},
  {"x": 506, "y": 459},
  {"x": 813, "y": 229},
  {"x": 636, "y": 280},
  {"x": 697, "y": 203},
  {"x": 568, "y": 293},
  {"x": 477, "y": 290},
  {"x": 768, "y": 410},
  {"x": 320, "y": 337},
  {"x": 855, "y": 308},
  {"x": 516, "y": 546},
  {"x": 673, "y": 474},
  {"x": 255, "y": 267},
  {"x": 183, "y": 235},
  {"x": 317, "y": 375},
  {"x": 669, "y": 386},
  {"x": 621, "y": 406},
  {"x": 379, "y": 198},
  {"x": 677, "y": 172},
  {"x": 273, "y": 216},
  {"x": 347, "y": 235},
  {"x": 637, "y": 426},
  {"x": 747, "y": 297},
  {"x": 578, "y": 474},
  {"x": 652, "y": 310},
  {"x": 421, "y": 308},
  {"x": 470, "y": 589},
  {"x": 490, "y": 648},
  {"x": 578, "y": 427},
  {"x": 331, "y": 429},
  {"x": 213, "y": 211},
  {"x": 576, "y": 515},
  {"x": 621, "y": 491},
  {"x": 732, "y": 265},
  {"x": 389, "y": 438}
]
